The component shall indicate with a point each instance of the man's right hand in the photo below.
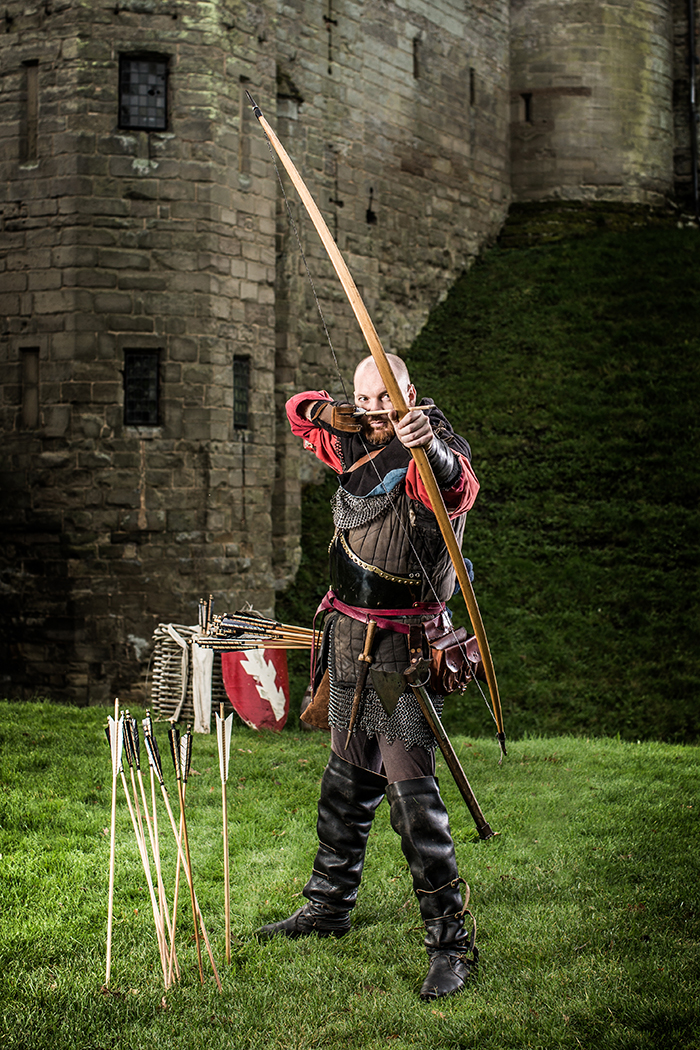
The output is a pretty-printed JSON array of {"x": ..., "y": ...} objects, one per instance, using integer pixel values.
[{"x": 338, "y": 415}]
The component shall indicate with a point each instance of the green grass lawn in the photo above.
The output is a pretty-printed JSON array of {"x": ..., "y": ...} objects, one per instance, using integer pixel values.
[
  {"x": 587, "y": 901},
  {"x": 573, "y": 368}
]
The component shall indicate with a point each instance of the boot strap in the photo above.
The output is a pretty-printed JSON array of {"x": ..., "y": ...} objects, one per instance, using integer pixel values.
[
  {"x": 471, "y": 946},
  {"x": 459, "y": 881}
]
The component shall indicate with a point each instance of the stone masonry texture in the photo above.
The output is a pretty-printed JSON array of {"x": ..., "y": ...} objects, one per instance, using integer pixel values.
[
  {"x": 405, "y": 118},
  {"x": 118, "y": 240},
  {"x": 591, "y": 99}
]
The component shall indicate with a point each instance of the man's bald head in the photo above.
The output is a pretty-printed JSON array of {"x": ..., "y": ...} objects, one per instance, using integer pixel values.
[{"x": 367, "y": 366}]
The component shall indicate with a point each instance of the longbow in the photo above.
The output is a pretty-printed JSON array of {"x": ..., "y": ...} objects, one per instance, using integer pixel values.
[{"x": 397, "y": 400}]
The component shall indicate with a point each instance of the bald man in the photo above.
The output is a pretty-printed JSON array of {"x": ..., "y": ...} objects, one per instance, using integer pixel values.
[{"x": 389, "y": 564}]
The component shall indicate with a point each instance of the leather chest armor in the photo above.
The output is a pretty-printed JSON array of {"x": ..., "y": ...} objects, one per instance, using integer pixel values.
[{"x": 357, "y": 582}]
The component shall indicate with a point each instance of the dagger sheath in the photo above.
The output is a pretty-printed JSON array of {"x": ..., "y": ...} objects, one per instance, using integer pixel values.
[{"x": 365, "y": 659}]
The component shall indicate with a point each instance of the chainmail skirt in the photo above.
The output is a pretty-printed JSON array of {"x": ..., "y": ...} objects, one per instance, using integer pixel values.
[{"x": 407, "y": 722}]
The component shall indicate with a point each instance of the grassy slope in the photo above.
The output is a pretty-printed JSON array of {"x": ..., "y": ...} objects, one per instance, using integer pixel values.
[
  {"x": 573, "y": 369},
  {"x": 586, "y": 903}
]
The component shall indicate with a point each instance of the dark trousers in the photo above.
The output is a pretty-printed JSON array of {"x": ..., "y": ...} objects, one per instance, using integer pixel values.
[{"x": 377, "y": 755}]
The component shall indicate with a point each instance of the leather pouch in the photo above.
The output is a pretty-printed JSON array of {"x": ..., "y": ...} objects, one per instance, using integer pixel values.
[
  {"x": 316, "y": 714},
  {"x": 454, "y": 658}
]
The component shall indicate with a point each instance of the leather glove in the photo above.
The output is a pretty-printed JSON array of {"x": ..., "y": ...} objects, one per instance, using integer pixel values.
[{"x": 335, "y": 415}]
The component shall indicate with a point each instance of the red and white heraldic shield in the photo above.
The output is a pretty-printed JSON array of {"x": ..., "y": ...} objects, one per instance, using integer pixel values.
[{"x": 257, "y": 684}]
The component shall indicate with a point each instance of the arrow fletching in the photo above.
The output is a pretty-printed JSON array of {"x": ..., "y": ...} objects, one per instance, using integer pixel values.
[
  {"x": 223, "y": 737},
  {"x": 174, "y": 738},
  {"x": 132, "y": 730},
  {"x": 126, "y": 738},
  {"x": 152, "y": 747},
  {"x": 186, "y": 754},
  {"x": 114, "y": 732}
]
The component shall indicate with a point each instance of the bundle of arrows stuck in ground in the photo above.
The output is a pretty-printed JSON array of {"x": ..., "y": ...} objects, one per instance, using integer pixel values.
[{"x": 123, "y": 735}]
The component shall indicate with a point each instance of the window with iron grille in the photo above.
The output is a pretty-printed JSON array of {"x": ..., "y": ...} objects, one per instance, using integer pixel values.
[
  {"x": 141, "y": 388},
  {"x": 29, "y": 119},
  {"x": 29, "y": 362},
  {"x": 241, "y": 391},
  {"x": 143, "y": 94}
]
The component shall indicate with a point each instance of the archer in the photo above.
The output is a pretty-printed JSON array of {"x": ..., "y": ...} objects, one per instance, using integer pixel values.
[{"x": 391, "y": 574}]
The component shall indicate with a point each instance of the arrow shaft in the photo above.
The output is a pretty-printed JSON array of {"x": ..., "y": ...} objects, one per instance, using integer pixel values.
[
  {"x": 227, "y": 885},
  {"x": 149, "y": 881},
  {"x": 188, "y": 863},
  {"x": 114, "y": 742},
  {"x": 161, "y": 885},
  {"x": 223, "y": 737},
  {"x": 112, "y": 854},
  {"x": 162, "y": 903},
  {"x": 176, "y": 897},
  {"x": 183, "y": 860}
]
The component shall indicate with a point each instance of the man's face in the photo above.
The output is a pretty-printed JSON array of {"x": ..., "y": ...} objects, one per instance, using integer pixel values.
[{"x": 371, "y": 394}]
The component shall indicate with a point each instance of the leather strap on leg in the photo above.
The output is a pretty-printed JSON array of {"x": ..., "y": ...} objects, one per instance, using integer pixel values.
[{"x": 419, "y": 816}]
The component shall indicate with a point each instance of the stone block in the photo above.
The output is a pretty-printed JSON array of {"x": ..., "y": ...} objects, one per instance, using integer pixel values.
[
  {"x": 16, "y": 281},
  {"x": 50, "y": 302},
  {"x": 248, "y": 290},
  {"x": 115, "y": 497},
  {"x": 74, "y": 255},
  {"x": 89, "y": 278},
  {"x": 183, "y": 349},
  {"x": 144, "y": 209},
  {"x": 142, "y": 282},
  {"x": 194, "y": 429},
  {"x": 182, "y": 521},
  {"x": 126, "y": 323},
  {"x": 119, "y": 260}
]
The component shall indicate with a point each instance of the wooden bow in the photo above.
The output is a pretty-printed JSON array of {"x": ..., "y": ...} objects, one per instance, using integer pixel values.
[{"x": 397, "y": 399}]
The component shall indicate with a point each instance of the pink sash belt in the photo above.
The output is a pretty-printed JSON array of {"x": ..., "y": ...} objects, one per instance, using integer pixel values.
[{"x": 385, "y": 619}]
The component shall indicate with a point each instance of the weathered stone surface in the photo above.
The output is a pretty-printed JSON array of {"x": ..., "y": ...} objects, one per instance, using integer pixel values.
[
  {"x": 398, "y": 114},
  {"x": 591, "y": 100}
]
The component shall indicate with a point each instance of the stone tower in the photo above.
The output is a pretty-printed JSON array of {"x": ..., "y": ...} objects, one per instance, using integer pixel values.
[
  {"x": 138, "y": 347},
  {"x": 592, "y": 99}
]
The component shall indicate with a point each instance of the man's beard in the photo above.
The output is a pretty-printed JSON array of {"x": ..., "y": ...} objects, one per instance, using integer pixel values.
[{"x": 375, "y": 435}]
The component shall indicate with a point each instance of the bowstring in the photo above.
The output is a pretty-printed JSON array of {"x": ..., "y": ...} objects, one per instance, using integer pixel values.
[
  {"x": 366, "y": 447},
  {"x": 306, "y": 264}
]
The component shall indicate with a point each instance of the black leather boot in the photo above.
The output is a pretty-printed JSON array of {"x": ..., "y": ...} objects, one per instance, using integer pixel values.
[
  {"x": 349, "y": 798},
  {"x": 419, "y": 816}
]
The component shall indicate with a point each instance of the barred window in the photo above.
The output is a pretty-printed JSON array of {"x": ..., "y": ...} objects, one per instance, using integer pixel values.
[
  {"x": 143, "y": 95},
  {"x": 29, "y": 120},
  {"x": 241, "y": 391},
  {"x": 141, "y": 387},
  {"x": 29, "y": 360}
]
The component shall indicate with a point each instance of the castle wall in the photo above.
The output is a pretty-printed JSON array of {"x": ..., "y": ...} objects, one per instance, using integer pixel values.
[
  {"x": 397, "y": 115},
  {"x": 118, "y": 240},
  {"x": 591, "y": 99},
  {"x": 412, "y": 123},
  {"x": 686, "y": 29}
]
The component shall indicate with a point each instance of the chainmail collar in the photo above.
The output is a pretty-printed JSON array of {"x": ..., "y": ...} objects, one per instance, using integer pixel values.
[{"x": 350, "y": 511}]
